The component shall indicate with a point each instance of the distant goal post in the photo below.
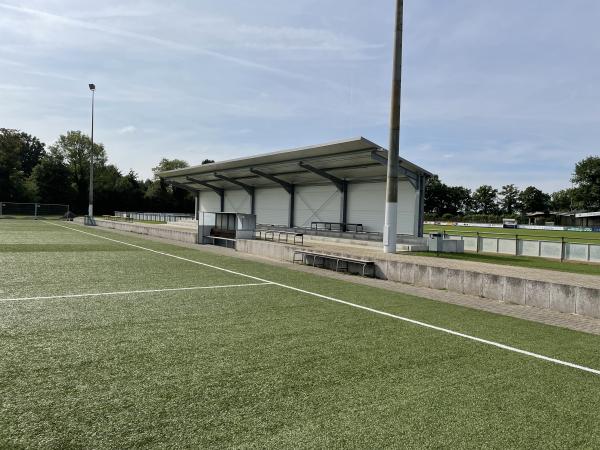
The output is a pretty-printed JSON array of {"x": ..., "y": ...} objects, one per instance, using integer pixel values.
[{"x": 15, "y": 210}]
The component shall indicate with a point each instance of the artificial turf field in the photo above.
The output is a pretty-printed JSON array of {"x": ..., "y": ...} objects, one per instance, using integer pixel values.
[{"x": 237, "y": 361}]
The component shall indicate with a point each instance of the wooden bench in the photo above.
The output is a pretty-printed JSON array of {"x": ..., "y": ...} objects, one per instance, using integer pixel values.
[{"x": 338, "y": 259}]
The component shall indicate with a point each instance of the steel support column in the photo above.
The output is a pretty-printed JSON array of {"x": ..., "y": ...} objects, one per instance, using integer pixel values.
[
  {"x": 344, "y": 206},
  {"x": 292, "y": 206}
]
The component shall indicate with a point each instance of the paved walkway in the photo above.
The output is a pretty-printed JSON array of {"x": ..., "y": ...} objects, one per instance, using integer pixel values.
[{"x": 548, "y": 317}]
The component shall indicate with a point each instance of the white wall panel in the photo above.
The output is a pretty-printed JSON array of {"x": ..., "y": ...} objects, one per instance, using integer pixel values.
[
  {"x": 237, "y": 200},
  {"x": 210, "y": 201},
  {"x": 272, "y": 206},
  {"x": 407, "y": 209},
  {"x": 316, "y": 204},
  {"x": 366, "y": 205}
]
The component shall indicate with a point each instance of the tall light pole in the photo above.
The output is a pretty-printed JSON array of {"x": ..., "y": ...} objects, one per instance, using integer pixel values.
[
  {"x": 91, "y": 206},
  {"x": 390, "y": 227}
]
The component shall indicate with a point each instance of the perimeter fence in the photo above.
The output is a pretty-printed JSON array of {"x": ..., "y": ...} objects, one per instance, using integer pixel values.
[{"x": 562, "y": 248}]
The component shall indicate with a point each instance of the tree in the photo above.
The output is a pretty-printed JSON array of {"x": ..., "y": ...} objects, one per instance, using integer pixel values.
[
  {"x": 13, "y": 186},
  {"x": 458, "y": 200},
  {"x": 162, "y": 197},
  {"x": 563, "y": 200},
  {"x": 169, "y": 164},
  {"x": 435, "y": 192},
  {"x": 52, "y": 180},
  {"x": 485, "y": 199},
  {"x": 208, "y": 161},
  {"x": 587, "y": 179},
  {"x": 534, "y": 200},
  {"x": 32, "y": 152},
  {"x": 74, "y": 149},
  {"x": 441, "y": 199},
  {"x": 509, "y": 201}
]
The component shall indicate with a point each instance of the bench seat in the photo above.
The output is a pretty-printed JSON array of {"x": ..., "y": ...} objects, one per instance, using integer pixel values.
[{"x": 338, "y": 259}]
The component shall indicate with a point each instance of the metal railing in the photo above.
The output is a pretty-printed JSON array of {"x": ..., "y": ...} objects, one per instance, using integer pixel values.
[
  {"x": 153, "y": 216},
  {"x": 33, "y": 210}
]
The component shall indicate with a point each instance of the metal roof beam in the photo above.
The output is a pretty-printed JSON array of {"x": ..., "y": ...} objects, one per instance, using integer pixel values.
[
  {"x": 412, "y": 176},
  {"x": 249, "y": 189},
  {"x": 339, "y": 183},
  {"x": 181, "y": 186},
  {"x": 284, "y": 184},
  {"x": 218, "y": 190}
]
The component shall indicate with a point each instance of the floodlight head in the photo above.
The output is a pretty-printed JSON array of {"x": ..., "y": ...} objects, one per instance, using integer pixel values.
[{"x": 92, "y": 86}]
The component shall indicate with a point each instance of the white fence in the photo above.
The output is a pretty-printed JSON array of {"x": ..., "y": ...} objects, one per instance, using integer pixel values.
[{"x": 561, "y": 250}]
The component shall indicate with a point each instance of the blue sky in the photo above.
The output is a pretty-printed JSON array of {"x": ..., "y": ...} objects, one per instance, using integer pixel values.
[{"x": 495, "y": 91}]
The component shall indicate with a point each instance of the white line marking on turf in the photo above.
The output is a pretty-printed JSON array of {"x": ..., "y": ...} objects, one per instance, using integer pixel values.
[
  {"x": 365, "y": 308},
  {"x": 144, "y": 291}
]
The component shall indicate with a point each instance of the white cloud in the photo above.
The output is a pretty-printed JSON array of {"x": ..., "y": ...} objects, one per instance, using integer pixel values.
[{"x": 127, "y": 129}]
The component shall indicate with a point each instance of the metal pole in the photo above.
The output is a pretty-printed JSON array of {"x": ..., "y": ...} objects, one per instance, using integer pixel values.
[
  {"x": 390, "y": 228},
  {"x": 91, "y": 206}
]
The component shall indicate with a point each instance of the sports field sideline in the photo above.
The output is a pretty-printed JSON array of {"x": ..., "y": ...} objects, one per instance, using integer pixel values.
[{"x": 110, "y": 340}]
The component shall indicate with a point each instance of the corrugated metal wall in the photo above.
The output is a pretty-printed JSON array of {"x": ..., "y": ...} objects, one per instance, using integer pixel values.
[
  {"x": 237, "y": 201},
  {"x": 366, "y": 205},
  {"x": 272, "y": 206},
  {"x": 316, "y": 204},
  {"x": 210, "y": 201}
]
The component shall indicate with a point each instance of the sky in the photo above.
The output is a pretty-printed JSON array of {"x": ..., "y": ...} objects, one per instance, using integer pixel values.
[{"x": 493, "y": 92}]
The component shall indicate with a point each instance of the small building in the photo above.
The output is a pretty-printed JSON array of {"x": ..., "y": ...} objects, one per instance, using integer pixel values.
[
  {"x": 540, "y": 218},
  {"x": 585, "y": 219},
  {"x": 341, "y": 182}
]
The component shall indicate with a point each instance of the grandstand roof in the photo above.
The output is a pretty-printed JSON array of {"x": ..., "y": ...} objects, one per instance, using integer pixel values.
[{"x": 350, "y": 160}]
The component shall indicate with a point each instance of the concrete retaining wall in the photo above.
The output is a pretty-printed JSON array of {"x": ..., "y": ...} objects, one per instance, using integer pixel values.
[
  {"x": 540, "y": 294},
  {"x": 161, "y": 231}
]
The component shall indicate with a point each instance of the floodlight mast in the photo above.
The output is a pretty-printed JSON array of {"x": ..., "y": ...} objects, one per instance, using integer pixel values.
[
  {"x": 91, "y": 205},
  {"x": 390, "y": 228}
]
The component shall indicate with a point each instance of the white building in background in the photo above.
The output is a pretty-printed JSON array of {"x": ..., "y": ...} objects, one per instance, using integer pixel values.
[{"x": 340, "y": 183}]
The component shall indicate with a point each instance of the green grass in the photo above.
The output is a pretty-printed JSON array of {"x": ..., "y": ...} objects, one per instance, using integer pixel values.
[
  {"x": 262, "y": 366},
  {"x": 570, "y": 236},
  {"x": 520, "y": 261}
]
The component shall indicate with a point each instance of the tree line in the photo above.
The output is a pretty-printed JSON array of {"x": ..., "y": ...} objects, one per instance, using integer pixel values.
[
  {"x": 30, "y": 171},
  {"x": 489, "y": 204}
]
